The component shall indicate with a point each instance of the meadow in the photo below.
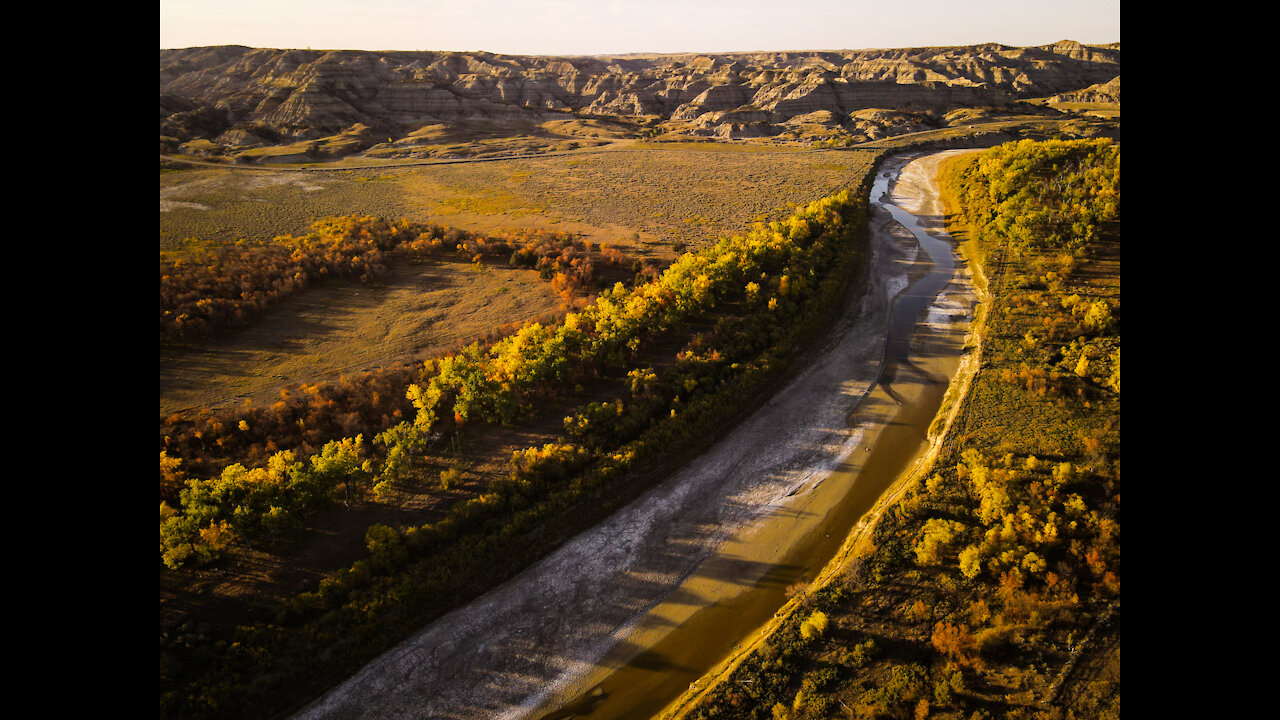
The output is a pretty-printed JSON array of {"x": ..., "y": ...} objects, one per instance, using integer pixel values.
[
  {"x": 609, "y": 194},
  {"x": 621, "y": 198}
]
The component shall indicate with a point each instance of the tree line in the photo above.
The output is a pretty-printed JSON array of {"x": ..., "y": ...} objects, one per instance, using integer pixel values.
[
  {"x": 502, "y": 383},
  {"x": 215, "y": 286},
  {"x": 308, "y": 415}
]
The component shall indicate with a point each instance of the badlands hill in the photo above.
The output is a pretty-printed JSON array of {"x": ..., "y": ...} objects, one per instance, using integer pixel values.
[
  {"x": 234, "y": 97},
  {"x": 1108, "y": 92}
]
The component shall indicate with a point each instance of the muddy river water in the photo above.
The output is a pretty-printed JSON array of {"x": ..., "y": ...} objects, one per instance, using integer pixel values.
[{"x": 619, "y": 621}]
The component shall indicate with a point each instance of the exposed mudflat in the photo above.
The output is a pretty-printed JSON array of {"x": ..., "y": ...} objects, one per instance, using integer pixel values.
[{"x": 713, "y": 530}]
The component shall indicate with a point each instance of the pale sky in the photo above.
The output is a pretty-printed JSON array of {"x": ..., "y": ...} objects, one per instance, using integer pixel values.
[{"x": 598, "y": 27}]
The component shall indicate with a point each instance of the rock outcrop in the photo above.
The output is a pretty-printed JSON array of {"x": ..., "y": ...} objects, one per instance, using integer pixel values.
[
  {"x": 1108, "y": 92},
  {"x": 241, "y": 96}
]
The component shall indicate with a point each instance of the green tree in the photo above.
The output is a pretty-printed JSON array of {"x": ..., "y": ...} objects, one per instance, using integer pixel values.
[
  {"x": 936, "y": 539},
  {"x": 341, "y": 465}
]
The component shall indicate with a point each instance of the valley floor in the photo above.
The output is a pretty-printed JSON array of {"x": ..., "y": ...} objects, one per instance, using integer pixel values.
[{"x": 704, "y": 536}]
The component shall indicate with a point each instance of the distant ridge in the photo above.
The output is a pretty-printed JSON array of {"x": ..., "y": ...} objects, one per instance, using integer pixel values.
[{"x": 238, "y": 95}]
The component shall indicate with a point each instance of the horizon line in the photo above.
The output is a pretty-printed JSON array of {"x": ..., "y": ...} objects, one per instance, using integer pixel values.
[{"x": 643, "y": 52}]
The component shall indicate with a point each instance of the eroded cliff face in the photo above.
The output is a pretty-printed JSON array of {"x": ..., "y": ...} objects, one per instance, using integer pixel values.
[
  {"x": 238, "y": 95},
  {"x": 1108, "y": 92}
]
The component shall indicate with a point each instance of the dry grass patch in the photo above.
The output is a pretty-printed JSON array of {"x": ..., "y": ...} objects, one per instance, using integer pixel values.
[
  {"x": 419, "y": 311},
  {"x": 648, "y": 189},
  {"x": 228, "y": 204},
  {"x": 651, "y": 201}
]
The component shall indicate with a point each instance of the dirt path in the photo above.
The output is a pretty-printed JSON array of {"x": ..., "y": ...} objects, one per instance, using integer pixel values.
[{"x": 688, "y": 544}]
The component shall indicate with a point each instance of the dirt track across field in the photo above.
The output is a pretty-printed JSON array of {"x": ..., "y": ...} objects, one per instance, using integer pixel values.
[{"x": 693, "y": 542}]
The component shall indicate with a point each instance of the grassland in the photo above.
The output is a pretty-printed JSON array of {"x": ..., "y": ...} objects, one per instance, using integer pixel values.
[
  {"x": 228, "y": 204},
  {"x": 1111, "y": 111},
  {"x": 610, "y": 195},
  {"x": 1108, "y": 111},
  {"x": 418, "y": 311},
  {"x": 623, "y": 198},
  {"x": 667, "y": 193}
]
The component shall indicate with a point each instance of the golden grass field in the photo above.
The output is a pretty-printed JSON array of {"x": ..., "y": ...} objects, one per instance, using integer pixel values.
[
  {"x": 649, "y": 199},
  {"x": 691, "y": 192},
  {"x": 418, "y": 312}
]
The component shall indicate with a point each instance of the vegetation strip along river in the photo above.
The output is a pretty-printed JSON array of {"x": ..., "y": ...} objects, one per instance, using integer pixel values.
[
  {"x": 626, "y": 615},
  {"x": 808, "y": 530}
]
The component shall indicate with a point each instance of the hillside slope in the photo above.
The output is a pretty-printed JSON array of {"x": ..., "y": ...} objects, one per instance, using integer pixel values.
[{"x": 245, "y": 97}]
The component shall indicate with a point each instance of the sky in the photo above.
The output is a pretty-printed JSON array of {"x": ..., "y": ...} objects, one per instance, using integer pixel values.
[{"x": 601, "y": 27}]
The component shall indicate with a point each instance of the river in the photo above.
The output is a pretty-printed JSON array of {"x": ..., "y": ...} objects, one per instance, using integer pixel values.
[{"x": 619, "y": 621}]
